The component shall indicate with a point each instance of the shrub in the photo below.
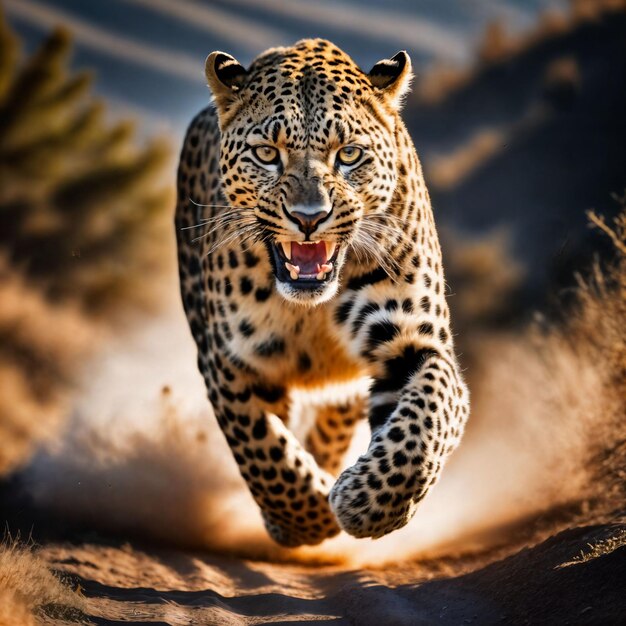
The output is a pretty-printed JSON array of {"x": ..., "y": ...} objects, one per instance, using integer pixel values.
[{"x": 83, "y": 222}]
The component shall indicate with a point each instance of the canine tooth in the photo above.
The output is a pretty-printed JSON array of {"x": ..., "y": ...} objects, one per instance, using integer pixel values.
[
  {"x": 294, "y": 270},
  {"x": 286, "y": 245},
  {"x": 326, "y": 267},
  {"x": 321, "y": 276},
  {"x": 330, "y": 248}
]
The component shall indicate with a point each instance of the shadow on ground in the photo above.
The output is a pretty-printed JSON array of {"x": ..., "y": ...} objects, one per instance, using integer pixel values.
[{"x": 576, "y": 577}]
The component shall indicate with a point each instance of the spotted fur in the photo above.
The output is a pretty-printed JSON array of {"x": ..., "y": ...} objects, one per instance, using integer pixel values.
[{"x": 380, "y": 312}]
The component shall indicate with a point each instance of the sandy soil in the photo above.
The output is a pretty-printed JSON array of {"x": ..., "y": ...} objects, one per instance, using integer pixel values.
[{"x": 577, "y": 577}]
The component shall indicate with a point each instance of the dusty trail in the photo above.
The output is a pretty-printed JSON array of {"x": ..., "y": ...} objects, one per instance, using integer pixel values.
[{"x": 549, "y": 583}]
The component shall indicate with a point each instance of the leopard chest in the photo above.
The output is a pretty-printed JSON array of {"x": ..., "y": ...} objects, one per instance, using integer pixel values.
[{"x": 286, "y": 345}]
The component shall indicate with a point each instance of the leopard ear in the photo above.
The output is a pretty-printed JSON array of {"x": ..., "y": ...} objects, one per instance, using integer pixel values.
[
  {"x": 225, "y": 76},
  {"x": 393, "y": 77}
]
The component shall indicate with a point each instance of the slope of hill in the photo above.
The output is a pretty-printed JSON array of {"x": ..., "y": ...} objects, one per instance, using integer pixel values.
[{"x": 544, "y": 136}]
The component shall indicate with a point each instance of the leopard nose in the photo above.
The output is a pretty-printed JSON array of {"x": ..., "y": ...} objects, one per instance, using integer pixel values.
[{"x": 308, "y": 222}]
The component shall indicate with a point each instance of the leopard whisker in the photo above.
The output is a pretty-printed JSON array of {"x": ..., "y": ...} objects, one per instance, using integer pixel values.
[
  {"x": 214, "y": 226},
  {"x": 226, "y": 215},
  {"x": 239, "y": 223},
  {"x": 232, "y": 237},
  {"x": 215, "y": 206},
  {"x": 379, "y": 232},
  {"x": 371, "y": 249}
]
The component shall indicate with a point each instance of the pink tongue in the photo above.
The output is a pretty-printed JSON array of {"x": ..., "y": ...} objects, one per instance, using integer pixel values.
[{"x": 308, "y": 257}]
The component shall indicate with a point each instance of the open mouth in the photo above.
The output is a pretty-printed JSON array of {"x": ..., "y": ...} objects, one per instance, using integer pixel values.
[{"x": 306, "y": 264}]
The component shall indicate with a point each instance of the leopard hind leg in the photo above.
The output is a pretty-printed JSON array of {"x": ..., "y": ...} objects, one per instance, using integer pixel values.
[{"x": 332, "y": 428}]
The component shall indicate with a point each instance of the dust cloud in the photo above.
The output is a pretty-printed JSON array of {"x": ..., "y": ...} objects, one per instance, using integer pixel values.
[{"x": 144, "y": 455}]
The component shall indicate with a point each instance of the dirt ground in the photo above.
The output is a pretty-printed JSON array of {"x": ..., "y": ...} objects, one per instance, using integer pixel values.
[{"x": 577, "y": 576}]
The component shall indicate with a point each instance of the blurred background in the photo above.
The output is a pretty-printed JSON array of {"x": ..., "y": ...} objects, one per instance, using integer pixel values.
[{"x": 517, "y": 113}]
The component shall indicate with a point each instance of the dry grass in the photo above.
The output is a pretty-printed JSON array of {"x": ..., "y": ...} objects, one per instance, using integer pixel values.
[
  {"x": 617, "y": 233},
  {"x": 601, "y": 325},
  {"x": 584, "y": 359},
  {"x": 599, "y": 548},
  {"x": 29, "y": 590}
]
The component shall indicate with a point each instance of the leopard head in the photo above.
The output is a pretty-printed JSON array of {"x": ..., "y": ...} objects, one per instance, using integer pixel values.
[{"x": 309, "y": 158}]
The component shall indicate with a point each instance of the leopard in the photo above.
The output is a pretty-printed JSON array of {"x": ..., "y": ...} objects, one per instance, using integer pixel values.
[{"x": 309, "y": 259}]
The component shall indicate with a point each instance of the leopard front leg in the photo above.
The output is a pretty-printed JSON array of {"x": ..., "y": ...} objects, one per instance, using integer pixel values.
[
  {"x": 283, "y": 478},
  {"x": 418, "y": 408}
]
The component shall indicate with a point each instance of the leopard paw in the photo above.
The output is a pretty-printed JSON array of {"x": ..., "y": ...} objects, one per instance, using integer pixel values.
[
  {"x": 372, "y": 499},
  {"x": 310, "y": 529}
]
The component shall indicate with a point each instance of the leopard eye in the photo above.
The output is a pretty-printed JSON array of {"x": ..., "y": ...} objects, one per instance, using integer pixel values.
[
  {"x": 267, "y": 154},
  {"x": 349, "y": 155}
]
